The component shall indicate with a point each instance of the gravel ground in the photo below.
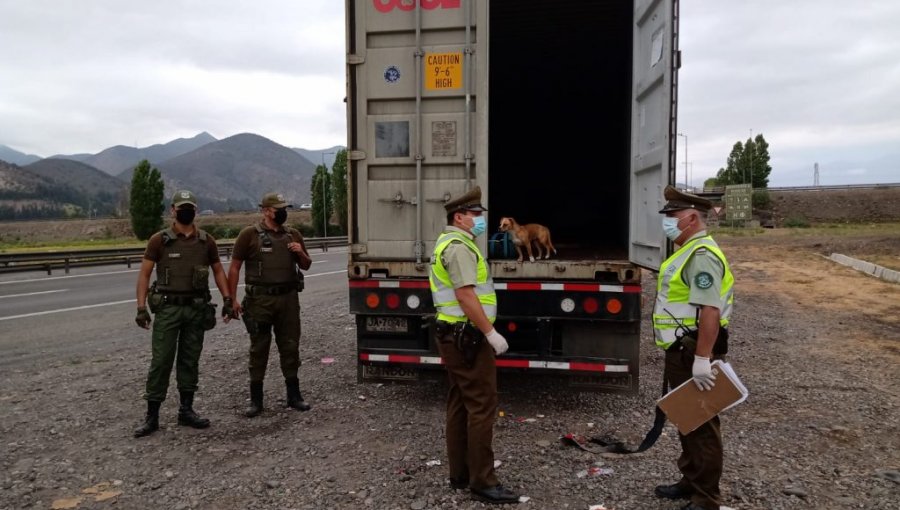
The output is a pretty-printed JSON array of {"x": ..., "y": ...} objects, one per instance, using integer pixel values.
[{"x": 820, "y": 429}]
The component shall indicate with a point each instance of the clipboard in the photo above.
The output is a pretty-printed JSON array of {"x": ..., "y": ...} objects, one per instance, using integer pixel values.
[{"x": 687, "y": 407}]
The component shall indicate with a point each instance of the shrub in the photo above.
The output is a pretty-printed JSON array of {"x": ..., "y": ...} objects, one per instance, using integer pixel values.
[
  {"x": 305, "y": 229},
  {"x": 761, "y": 199},
  {"x": 222, "y": 231},
  {"x": 796, "y": 223}
]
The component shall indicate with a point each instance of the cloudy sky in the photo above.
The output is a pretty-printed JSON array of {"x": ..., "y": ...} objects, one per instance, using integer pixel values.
[{"x": 820, "y": 79}]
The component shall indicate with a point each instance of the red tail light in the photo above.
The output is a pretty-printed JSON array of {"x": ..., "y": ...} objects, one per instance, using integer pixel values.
[
  {"x": 613, "y": 306},
  {"x": 393, "y": 301}
]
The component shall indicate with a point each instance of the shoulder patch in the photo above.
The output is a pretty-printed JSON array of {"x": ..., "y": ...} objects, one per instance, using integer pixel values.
[{"x": 704, "y": 280}]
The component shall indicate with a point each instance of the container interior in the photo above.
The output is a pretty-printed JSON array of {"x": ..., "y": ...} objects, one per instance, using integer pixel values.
[{"x": 559, "y": 121}]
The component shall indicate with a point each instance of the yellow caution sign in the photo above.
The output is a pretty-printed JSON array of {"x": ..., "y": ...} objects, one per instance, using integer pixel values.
[{"x": 443, "y": 71}]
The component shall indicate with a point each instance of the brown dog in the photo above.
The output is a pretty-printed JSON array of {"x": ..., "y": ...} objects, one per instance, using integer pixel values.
[{"x": 524, "y": 235}]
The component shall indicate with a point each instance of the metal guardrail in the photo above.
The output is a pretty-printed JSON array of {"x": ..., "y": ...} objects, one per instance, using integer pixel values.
[
  {"x": 836, "y": 187},
  {"x": 50, "y": 260},
  {"x": 824, "y": 187}
]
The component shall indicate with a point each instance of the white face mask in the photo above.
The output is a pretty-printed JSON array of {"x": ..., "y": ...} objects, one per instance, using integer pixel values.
[{"x": 670, "y": 227}]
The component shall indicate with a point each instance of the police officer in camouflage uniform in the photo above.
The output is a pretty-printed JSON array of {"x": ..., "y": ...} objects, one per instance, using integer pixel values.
[
  {"x": 466, "y": 305},
  {"x": 690, "y": 319},
  {"x": 274, "y": 255},
  {"x": 180, "y": 300}
]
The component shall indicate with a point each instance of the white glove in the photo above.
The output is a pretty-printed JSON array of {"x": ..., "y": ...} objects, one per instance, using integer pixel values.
[
  {"x": 497, "y": 342},
  {"x": 703, "y": 376}
]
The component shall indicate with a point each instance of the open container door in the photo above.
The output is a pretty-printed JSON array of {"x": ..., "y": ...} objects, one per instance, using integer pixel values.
[{"x": 653, "y": 127}]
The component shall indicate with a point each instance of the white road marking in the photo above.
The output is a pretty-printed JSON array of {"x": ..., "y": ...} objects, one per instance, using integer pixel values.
[
  {"x": 113, "y": 303},
  {"x": 85, "y": 307},
  {"x": 49, "y": 278},
  {"x": 324, "y": 274},
  {"x": 34, "y": 293}
]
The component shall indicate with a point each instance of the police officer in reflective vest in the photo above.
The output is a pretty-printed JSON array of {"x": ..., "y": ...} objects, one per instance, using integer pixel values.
[
  {"x": 694, "y": 298},
  {"x": 274, "y": 255},
  {"x": 181, "y": 302},
  {"x": 463, "y": 295}
]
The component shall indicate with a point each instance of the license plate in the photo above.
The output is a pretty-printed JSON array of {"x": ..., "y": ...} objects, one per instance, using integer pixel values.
[
  {"x": 387, "y": 324},
  {"x": 395, "y": 373}
]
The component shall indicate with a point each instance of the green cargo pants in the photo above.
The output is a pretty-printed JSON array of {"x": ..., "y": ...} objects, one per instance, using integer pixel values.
[
  {"x": 264, "y": 314},
  {"x": 176, "y": 329}
]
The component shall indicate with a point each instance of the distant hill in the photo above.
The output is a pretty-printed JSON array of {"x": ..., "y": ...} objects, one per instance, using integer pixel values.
[
  {"x": 27, "y": 195},
  {"x": 115, "y": 160},
  {"x": 316, "y": 155},
  {"x": 235, "y": 172},
  {"x": 99, "y": 190},
  {"x": 10, "y": 155},
  {"x": 229, "y": 174}
]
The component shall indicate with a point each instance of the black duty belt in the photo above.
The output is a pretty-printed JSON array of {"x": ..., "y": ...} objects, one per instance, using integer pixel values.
[
  {"x": 269, "y": 290},
  {"x": 181, "y": 299}
]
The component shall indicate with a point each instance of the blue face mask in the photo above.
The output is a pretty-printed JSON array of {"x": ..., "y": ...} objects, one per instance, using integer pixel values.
[
  {"x": 670, "y": 227},
  {"x": 479, "y": 225}
]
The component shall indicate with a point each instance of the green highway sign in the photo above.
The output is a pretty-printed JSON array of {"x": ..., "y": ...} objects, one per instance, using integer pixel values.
[{"x": 738, "y": 202}]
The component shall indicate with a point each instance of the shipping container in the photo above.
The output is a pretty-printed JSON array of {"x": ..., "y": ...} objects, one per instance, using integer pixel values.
[{"x": 563, "y": 112}]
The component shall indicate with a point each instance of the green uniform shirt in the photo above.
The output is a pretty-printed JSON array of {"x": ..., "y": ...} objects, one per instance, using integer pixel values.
[
  {"x": 460, "y": 261},
  {"x": 705, "y": 274},
  {"x": 155, "y": 245},
  {"x": 247, "y": 243}
]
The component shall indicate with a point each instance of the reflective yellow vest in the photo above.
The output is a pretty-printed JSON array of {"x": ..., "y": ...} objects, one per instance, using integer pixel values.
[
  {"x": 442, "y": 292},
  {"x": 672, "y": 293}
]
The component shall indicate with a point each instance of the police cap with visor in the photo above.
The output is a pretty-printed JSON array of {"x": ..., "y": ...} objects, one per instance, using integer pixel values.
[
  {"x": 677, "y": 200},
  {"x": 275, "y": 200},
  {"x": 469, "y": 201},
  {"x": 182, "y": 197}
]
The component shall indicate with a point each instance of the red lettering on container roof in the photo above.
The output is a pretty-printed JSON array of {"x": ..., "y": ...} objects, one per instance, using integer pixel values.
[{"x": 408, "y": 5}]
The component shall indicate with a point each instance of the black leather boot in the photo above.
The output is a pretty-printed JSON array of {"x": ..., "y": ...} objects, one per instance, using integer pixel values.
[
  {"x": 294, "y": 398},
  {"x": 151, "y": 421},
  {"x": 256, "y": 399},
  {"x": 186, "y": 414}
]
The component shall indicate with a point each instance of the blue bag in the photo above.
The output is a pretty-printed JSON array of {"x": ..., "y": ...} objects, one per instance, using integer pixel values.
[{"x": 500, "y": 246}]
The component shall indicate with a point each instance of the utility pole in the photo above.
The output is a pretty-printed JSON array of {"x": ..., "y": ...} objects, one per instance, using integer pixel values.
[
  {"x": 685, "y": 161},
  {"x": 751, "y": 158},
  {"x": 325, "y": 195},
  {"x": 691, "y": 178}
]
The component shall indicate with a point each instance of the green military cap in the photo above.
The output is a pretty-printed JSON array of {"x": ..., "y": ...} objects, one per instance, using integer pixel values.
[
  {"x": 468, "y": 201},
  {"x": 275, "y": 200},
  {"x": 182, "y": 197},
  {"x": 677, "y": 200}
]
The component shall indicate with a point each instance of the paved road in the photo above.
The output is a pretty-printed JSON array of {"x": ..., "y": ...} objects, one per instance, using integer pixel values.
[{"x": 92, "y": 309}]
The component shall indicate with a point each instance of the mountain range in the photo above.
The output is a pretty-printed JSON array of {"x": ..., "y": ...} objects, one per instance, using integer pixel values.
[{"x": 228, "y": 174}]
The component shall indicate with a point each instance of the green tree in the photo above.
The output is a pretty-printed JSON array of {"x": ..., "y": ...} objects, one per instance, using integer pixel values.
[
  {"x": 748, "y": 162},
  {"x": 321, "y": 192},
  {"x": 339, "y": 189},
  {"x": 146, "y": 205}
]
